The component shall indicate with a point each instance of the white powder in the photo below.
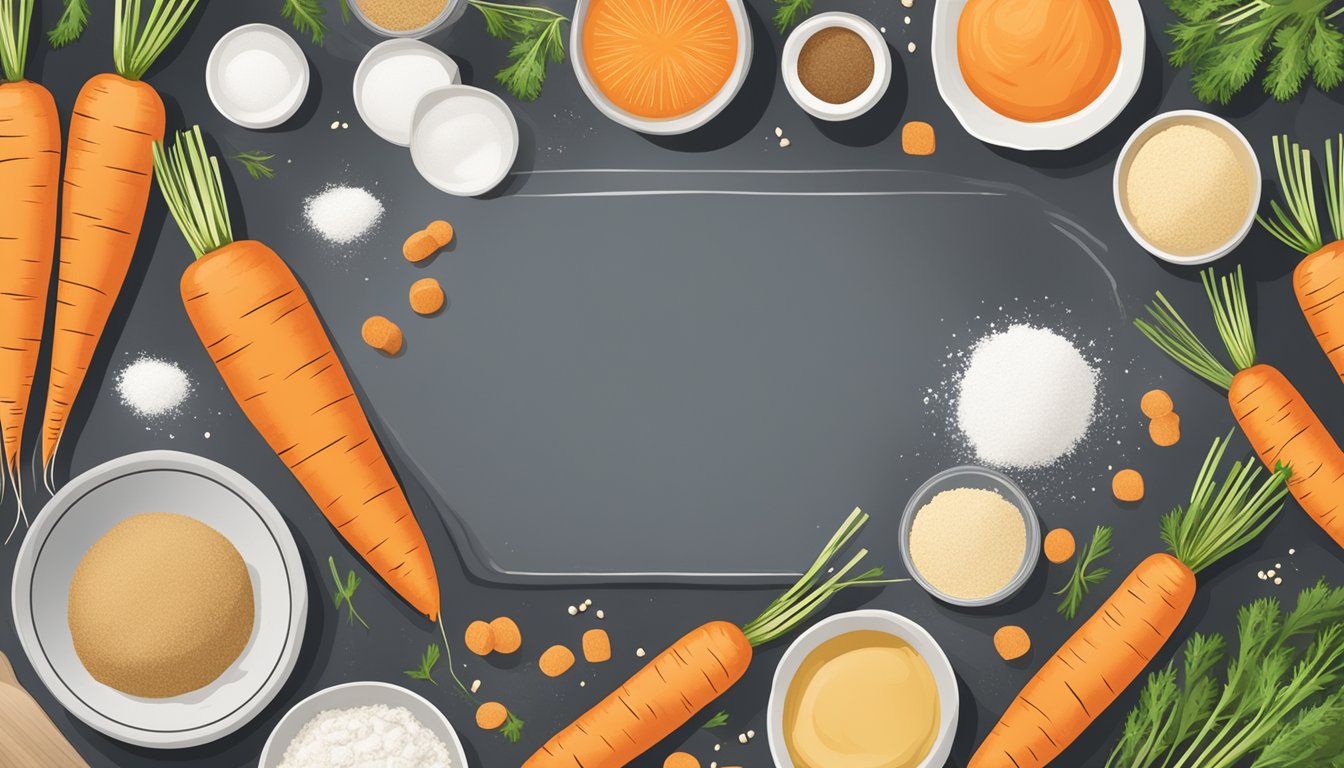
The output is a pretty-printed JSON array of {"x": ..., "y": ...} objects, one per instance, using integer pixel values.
[
  {"x": 342, "y": 215},
  {"x": 257, "y": 80},
  {"x": 152, "y": 387},
  {"x": 366, "y": 737},
  {"x": 1026, "y": 398}
]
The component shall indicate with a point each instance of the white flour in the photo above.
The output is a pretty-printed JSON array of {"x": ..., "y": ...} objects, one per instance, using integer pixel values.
[
  {"x": 366, "y": 737},
  {"x": 152, "y": 387},
  {"x": 342, "y": 215},
  {"x": 1026, "y": 398}
]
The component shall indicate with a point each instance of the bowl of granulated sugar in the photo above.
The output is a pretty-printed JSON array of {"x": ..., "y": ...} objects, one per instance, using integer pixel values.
[{"x": 970, "y": 537}]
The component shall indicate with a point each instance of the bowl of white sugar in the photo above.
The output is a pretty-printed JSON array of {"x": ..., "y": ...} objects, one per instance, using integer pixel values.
[
  {"x": 970, "y": 537},
  {"x": 367, "y": 724},
  {"x": 257, "y": 76}
]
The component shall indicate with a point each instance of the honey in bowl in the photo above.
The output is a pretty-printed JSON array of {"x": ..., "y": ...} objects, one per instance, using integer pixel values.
[
  {"x": 864, "y": 699},
  {"x": 1038, "y": 60},
  {"x": 660, "y": 59}
]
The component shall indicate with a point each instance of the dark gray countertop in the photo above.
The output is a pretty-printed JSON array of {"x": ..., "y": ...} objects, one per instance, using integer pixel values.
[{"x": 916, "y": 251}]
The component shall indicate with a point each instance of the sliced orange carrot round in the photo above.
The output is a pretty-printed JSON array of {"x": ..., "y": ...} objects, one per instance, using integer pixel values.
[
  {"x": 1156, "y": 402},
  {"x": 1012, "y": 642},
  {"x": 1059, "y": 545},
  {"x": 1127, "y": 485}
]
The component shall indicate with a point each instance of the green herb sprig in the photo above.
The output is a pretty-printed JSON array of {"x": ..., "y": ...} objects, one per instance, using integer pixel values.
[
  {"x": 537, "y": 41},
  {"x": 1084, "y": 576},
  {"x": 790, "y": 12},
  {"x": 309, "y": 17},
  {"x": 511, "y": 730},
  {"x": 345, "y": 592},
  {"x": 254, "y": 162},
  {"x": 1275, "y": 704},
  {"x": 717, "y": 721},
  {"x": 71, "y": 25},
  {"x": 1225, "y": 42},
  {"x": 428, "y": 660}
]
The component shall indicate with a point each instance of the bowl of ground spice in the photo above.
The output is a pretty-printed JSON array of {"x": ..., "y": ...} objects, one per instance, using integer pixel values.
[
  {"x": 407, "y": 18},
  {"x": 837, "y": 66},
  {"x": 969, "y": 537}
]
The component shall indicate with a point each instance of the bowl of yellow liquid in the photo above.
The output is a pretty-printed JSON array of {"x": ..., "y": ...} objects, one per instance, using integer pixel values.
[{"x": 860, "y": 689}]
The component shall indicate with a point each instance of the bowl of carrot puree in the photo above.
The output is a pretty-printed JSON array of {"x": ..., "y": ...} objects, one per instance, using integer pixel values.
[
  {"x": 1037, "y": 74},
  {"x": 865, "y": 689}
]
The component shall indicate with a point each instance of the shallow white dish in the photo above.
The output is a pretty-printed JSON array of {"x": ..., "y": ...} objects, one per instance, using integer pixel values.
[
  {"x": 825, "y": 110},
  {"x": 392, "y": 78},
  {"x": 672, "y": 125},
  {"x": 949, "y": 695},
  {"x": 448, "y": 146},
  {"x": 161, "y": 481},
  {"x": 261, "y": 40},
  {"x": 348, "y": 695},
  {"x": 452, "y": 11},
  {"x": 1250, "y": 163},
  {"x": 993, "y": 128}
]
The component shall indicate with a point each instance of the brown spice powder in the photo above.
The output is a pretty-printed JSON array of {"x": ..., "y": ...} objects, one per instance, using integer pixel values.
[
  {"x": 835, "y": 65},
  {"x": 401, "y": 15}
]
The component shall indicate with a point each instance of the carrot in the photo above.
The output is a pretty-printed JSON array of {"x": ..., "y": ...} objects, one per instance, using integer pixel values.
[
  {"x": 1094, "y": 666},
  {"x": 1281, "y": 426},
  {"x": 694, "y": 671},
  {"x": 109, "y": 162},
  {"x": 30, "y": 168},
  {"x": 278, "y": 362}
]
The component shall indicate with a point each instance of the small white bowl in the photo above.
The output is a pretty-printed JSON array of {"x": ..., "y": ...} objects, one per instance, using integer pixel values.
[
  {"x": 993, "y": 128},
  {"x": 161, "y": 481},
  {"x": 256, "y": 40},
  {"x": 825, "y": 110},
  {"x": 404, "y": 70},
  {"x": 445, "y": 140},
  {"x": 1250, "y": 163},
  {"x": 365, "y": 694},
  {"x": 949, "y": 695},
  {"x": 452, "y": 11},
  {"x": 673, "y": 125},
  {"x": 987, "y": 479}
]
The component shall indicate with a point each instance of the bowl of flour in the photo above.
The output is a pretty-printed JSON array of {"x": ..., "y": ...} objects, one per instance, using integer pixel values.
[{"x": 363, "y": 725}]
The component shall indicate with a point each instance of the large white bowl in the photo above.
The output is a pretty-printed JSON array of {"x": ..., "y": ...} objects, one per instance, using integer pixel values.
[
  {"x": 949, "y": 696},
  {"x": 993, "y": 128},
  {"x": 269, "y": 39},
  {"x": 672, "y": 125},
  {"x": 349, "y": 695},
  {"x": 447, "y": 120},
  {"x": 381, "y": 69},
  {"x": 161, "y": 481},
  {"x": 1249, "y": 162}
]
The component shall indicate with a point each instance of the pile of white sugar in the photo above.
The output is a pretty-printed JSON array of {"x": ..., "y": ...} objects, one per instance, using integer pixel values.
[
  {"x": 342, "y": 215},
  {"x": 152, "y": 387},
  {"x": 1026, "y": 397},
  {"x": 377, "y": 736}
]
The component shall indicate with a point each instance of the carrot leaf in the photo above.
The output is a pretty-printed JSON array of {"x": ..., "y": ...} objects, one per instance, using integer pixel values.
[
  {"x": 512, "y": 729},
  {"x": 254, "y": 162},
  {"x": 537, "y": 40},
  {"x": 1169, "y": 331},
  {"x": 136, "y": 46},
  {"x": 71, "y": 25},
  {"x": 307, "y": 18},
  {"x": 1232, "y": 315},
  {"x": 427, "y": 662},
  {"x": 345, "y": 592},
  {"x": 191, "y": 184},
  {"x": 717, "y": 721},
  {"x": 789, "y": 12},
  {"x": 1296, "y": 223},
  {"x": 1084, "y": 576},
  {"x": 16, "y": 17},
  {"x": 1220, "y": 519}
]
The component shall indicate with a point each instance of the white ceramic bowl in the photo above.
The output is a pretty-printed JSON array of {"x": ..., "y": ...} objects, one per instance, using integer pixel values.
[
  {"x": 161, "y": 481},
  {"x": 452, "y": 11},
  {"x": 388, "y": 87},
  {"x": 267, "y": 40},
  {"x": 673, "y": 125},
  {"x": 348, "y": 695},
  {"x": 973, "y": 477},
  {"x": 949, "y": 695},
  {"x": 825, "y": 110},
  {"x": 993, "y": 128},
  {"x": 1250, "y": 164},
  {"x": 446, "y": 140}
]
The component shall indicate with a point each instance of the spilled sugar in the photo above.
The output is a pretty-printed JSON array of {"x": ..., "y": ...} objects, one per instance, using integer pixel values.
[
  {"x": 342, "y": 214},
  {"x": 152, "y": 387}
]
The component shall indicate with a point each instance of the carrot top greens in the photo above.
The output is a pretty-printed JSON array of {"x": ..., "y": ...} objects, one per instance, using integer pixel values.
[
  {"x": 1231, "y": 314},
  {"x": 135, "y": 46},
  {"x": 1299, "y": 226},
  {"x": 191, "y": 184},
  {"x": 16, "y": 17}
]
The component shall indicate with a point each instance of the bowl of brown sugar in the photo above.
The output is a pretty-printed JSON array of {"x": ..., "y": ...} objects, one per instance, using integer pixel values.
[
  {"x": 407, "y": 18},
  {"x": 837, "y": 66}
]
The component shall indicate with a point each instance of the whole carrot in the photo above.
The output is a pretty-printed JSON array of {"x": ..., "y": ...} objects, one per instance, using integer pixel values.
[
  {"x": 694, "y": 671},
  {"x": 109, "y": 162},
  {"x": 271, "y": 349},
  {"x": 1278, "y": 422},
  {"x": 1094, "y": 666},
  {"x": 30, "y": 147}
]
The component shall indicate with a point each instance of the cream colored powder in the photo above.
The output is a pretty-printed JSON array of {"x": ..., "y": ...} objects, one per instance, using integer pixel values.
[
  {"x": 1186, "y": 190},
  {"x": 968, "y": 542},
  {"x": 402, "y": 15}
]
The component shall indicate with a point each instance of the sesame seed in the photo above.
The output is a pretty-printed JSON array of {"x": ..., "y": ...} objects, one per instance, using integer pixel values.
[
  {"x": 639, "y": 652},
  {"x": 1278, "y": 580},
  {"x": 601, "y": 614},
  {"x": 475, "y": 685},
  {"x": 583, "y": 607},
  {"x": 751, "y": 734},
  {"x": 335, "y": 124},
  {"x": 779, "y": 132},
  {"x": 784, "y": 143},
  {"x": 573, "y": 611},
  {"x": 910, "y": 47},
  {"x": 1270, "y": 573},
  {"x": 742, "y": 738}
]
